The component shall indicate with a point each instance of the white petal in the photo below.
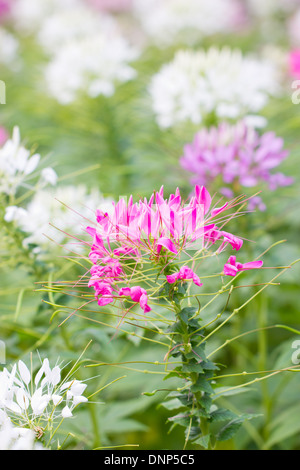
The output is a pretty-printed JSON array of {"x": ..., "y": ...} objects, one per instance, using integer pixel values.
[
  {"x": 78, "y": 388},
  {"x": 66, "y": 412},
  {"x": 49, "y": 175},
  {"x": 22, "y": 399},
  {"x": 38, "y": 376},
  {"x": 55, "y": 376},
  {"x": 56, "y": 399},
  {"x": 32, "y": 164},
  {"x": 77, "y": 400},
  {"x": 12, "y": 406},
  {"x": 24, "y": 372}
]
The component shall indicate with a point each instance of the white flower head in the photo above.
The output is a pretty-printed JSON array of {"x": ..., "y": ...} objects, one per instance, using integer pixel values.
[
  {"x": 9, "y": 49},
  {"x": 294, "y": 28},
  {"x": 28, "y": 15},
  {"x": 219, "y": 82},
  {"x": 16, "y": 438},
  {"x": 38, "y": 399},
  {"x": 66, "y": 208},
  {"x": 17, "y": 164},
  {"x": 169, "y": 21},
  {"x": 92, "y": 64}
]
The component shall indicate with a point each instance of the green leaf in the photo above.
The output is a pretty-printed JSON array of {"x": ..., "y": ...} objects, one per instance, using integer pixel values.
[
  {"x": 202, "y": 385},
  {"x": 192, "y": 366},
  {"x": 230, "y": 429},
  {"x": 221, "y": 415},
  {"x": 172, "y": 404},
  {"x": 197, "y": 352},
  {"x": 203, "y": 441}
]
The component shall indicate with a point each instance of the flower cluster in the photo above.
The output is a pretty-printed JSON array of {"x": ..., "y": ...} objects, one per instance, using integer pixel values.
[
  {"x": 40, "y": 400},
  {"x": 197, "y": 85},
  {"x": 86, "y": 49},
  {"x": 159, "y": 230},
  {"x": 236, "y": 155},
  {"x": 16, "y": 438},
  {"x": 171, "y": 21},
  {"x": 17, "y": 164}
]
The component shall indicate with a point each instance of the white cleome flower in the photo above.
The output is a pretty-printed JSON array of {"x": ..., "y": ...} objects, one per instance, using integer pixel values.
[
  {"x": 92, "y": 65},
  {"x": 16, "y": 438},
  {"x": 268, "y": 8},
  {"x": 9, "y": 49},
  {"x": 294, "y": 29},
  {"x": 29, "y": 14},
  {"x": 17, "y": 164},
  {"x": 67, "y": 208},
  {"x": 223, "y": 83},
  {"x": 169, "y": 21},
  {"x": 71, "y": 24},
  {"x": 40, "y": 399}
]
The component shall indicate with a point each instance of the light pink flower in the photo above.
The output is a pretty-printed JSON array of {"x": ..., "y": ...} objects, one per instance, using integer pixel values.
[
  {"x": 236, "y": 154},
  {"x": 5, "y": 7},
  {"x": 232, "y": 267}
]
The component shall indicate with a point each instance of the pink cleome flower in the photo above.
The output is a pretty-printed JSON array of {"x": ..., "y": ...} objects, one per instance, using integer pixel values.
[
  {"x": 237, "y": 156},
  {"x": 160, "y": 230},
  {"x": 294, "y": 60},
  {"x": 232, "y": 267}
]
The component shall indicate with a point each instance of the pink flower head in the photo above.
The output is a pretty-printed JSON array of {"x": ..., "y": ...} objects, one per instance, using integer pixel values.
[
  {"x": 137, "y": 294},
  {"x": 158, "y": 230},
  {"x": 294, "y": 60},
  {"x": 236, "y": 154},
  {"x": 232, "y": 267},
  {"x": 158, "y": 227},
  {"x": 185, "y": 273}
]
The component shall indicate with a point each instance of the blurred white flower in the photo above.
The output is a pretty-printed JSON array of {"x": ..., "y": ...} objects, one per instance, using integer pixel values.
[
  {"x": 17, "y": 164},
  {"x": 71, "y": 24},
  {"x": 29, "y": 14},
  {"x": 16, "y": 438},
  {"x": 268, "y": 8},
  {"x": 169, "y": 21},
  {"x": 93, "y": 65},
  {"x": 41, "y": 399},
  {"x": 67, "y": 208},
  {"x": 9, "y": 49},
  {"x": 294, "y": 29},
  {"x": 49, "y": 176},
  {"x": 222, "y": 83}
]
